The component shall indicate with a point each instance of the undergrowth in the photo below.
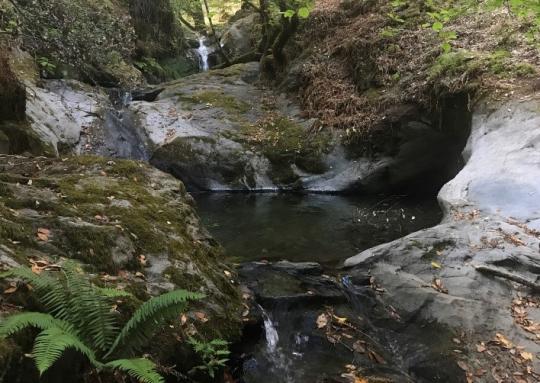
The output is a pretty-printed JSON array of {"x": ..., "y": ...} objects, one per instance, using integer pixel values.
[{"x": 363, "y": 61}]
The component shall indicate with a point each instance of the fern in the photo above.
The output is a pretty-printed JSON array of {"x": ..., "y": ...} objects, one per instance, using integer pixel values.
[
  {"x": 51, "y": 343},
  {"x": 112, "y": 293},
  {"x": 141, "y": 369},
  {"x": 19, "y": 322},
  {"x": 80, "y": 318},
  {"x": 150, "y": 316}
]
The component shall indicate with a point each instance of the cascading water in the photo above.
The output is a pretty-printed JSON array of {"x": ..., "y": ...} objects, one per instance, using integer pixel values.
[
  {"x": 279, "y": 363},
  {"x": 203, "y": 51},
  {"x": 272, "y": 337}
]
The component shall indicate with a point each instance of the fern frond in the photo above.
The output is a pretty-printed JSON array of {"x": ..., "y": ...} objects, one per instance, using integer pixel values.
[
  {"x": 89, "y": 312},
  {"x": 142, "y": 369},
  {"x": 41, "y": 283},
  {"x": 50, "y": 291},
  {"x": 112, "y": 293},
  {"x": 51, "y": 343},
  {"x": 150, "y": 316},
  {"x": 18, "y": 322}
]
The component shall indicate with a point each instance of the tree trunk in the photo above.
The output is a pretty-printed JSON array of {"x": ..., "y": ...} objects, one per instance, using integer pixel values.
[{"x": 216, "y": 39}]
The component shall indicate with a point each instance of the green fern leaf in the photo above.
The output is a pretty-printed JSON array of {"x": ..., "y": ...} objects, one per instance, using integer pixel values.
[
  {"x": 51, "y": 343},
  {"x": 112, "y": 293},
  {"x": 150, "y": 316},
  {"x": 142, "y": 369},
  {"x": 88, "y": 311},
  {"x": 18, "y": 322}
]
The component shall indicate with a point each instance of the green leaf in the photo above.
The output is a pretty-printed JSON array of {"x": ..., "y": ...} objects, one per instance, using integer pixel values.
[
  {"x": 51, "y": 343},
  {"x": 437, "y": 26},
  {"x": 141, "y": 369},
  {"x": 289, "y": 13},
  {"x": 303, "y": 13},
  {"x": 18, "y": 322},
  {"x": 153, "y": 313},
  {"x": 446, "y": 47}
]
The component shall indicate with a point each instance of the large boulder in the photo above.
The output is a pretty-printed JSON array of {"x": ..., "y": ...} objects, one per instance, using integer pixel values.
[
  {"x": 478, "y": 270},
  {"x": 242, "y": 36},
  {"x": 221, "y": 130},
  {"x": 132, "y": 227}
]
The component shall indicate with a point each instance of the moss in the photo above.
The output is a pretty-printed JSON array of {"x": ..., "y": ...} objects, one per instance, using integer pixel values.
[
  {"x": 454, "y": 63},
  {"x": 284, "y": 142},
  {"x": 91, "y": 245},
  {"x": 217, "y": 99}
]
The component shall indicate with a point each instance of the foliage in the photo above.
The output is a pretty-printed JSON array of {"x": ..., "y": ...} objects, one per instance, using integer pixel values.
[
  {"x": 214, "y": 354},
  {"x": 80, "y": 317},
  {"x": 74, "y": 33}
]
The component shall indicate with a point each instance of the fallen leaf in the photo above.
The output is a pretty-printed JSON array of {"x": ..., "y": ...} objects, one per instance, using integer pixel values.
[
  {"x": 502, "y": 340},
  {"x": 11, "y": 289},
  {"x": 43, "y": 234},
  {"x": 436, "y": 265},
  {"x": 480, "y": 348},
  {"x": 359, "y": 347},
  {"x": 201, "y": 316},
  {"x": 340, "y": 320},
  {"x": 322, "y": 320},
  {"x": 376, "y": 357},
  {"x": 526, "y": 355},
  {"x": 463, "y": 365}
]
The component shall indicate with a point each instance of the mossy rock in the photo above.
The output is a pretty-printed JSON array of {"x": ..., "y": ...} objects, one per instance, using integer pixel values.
[{"x": 126, "y": 221}]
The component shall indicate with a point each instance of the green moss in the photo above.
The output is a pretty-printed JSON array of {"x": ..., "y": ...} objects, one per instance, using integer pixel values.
[
  {"x": 217, "y": 99},
  {"x": 284, "y": 142},
  {"x": 91, "y": 245},
  {"x": 454, "y": 63}
]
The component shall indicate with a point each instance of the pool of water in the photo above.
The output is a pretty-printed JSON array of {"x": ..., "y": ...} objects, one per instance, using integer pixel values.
[{"x": 320, "y": 228}]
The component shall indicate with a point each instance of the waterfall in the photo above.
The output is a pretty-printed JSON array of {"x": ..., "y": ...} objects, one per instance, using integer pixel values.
[
  {"x": 280, "y": 363},
  {"x": 203, "y": 51},
  {"x": 272, "y": 337}
]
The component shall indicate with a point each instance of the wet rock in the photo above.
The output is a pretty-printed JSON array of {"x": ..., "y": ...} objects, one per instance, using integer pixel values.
[
  {"x": 446, "y": 273},
  {"x": 317, "y": 329}
]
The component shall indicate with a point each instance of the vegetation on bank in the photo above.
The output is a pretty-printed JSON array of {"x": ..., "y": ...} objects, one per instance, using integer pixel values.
[
  {"x": 119, "y": 218},
  {"x": 360, "y": 65},
  {"x": 83, "y": 317}
]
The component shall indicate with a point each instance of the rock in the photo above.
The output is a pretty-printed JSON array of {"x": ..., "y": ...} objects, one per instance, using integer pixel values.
[
  {"x": 220, "y": 130},
  {"x": 491, "y": 208},
  {"x": 313, "y": 327},
  {"x": 131, "y": 226},
  {"x": 4, "y": 143},
  {"x": 242, "y": 36}
]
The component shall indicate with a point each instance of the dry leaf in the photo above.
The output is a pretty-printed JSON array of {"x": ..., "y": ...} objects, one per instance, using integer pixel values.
[
  {"x": 11, "y": 289},
  {"x": 526, "y": 355},
  {"x": 502, "y": 340},
  {"x": 43, "y": 234},
  {"x": 322, "y": 320},
  {"x": 201, "y": 316},
  {"x": 480, "y": 348},
  {"x": 436, "y": 265},
  {"x": 359, "y": 347},
  {"x": 376, "y": 357},
  {"x": 463, "y": 365}
]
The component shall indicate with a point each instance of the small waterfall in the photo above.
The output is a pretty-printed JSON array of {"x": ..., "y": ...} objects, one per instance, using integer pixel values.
[
  {"x": 272, "y": 337},
  {"x": 280, "y": 363},
  {"x": 203, "y": 51}
]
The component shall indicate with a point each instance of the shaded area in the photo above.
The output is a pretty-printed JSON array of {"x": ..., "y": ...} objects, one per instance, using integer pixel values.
[{"x": 322, "y": 228}]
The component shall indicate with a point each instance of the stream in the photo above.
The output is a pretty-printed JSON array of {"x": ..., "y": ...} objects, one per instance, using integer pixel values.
[
  {"x": 310, "y": 228},
  {"x": 315, "y": 233}
]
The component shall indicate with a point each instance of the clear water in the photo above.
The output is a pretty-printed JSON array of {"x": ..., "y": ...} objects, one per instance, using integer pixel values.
[{"x": 320, "y": 228}]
